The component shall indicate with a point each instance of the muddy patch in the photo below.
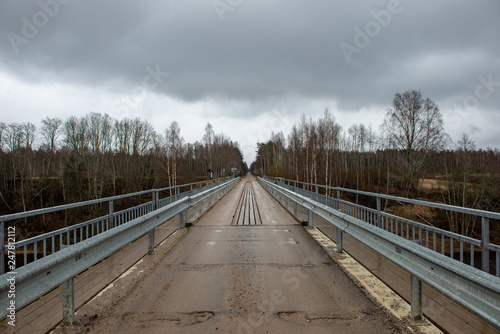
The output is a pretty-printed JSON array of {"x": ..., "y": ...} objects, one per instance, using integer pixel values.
[
  {"x": 319, "y": 319},
  {"x": 145, "y": 320}
]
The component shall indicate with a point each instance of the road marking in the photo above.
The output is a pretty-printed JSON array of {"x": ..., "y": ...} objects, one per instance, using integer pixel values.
[
  {"x": 211, "y": 242},
  {"x": 290, "y": 241}
]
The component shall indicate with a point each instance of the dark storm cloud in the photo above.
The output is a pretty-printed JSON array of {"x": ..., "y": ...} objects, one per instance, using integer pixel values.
[{"x": 261, "y": 50}]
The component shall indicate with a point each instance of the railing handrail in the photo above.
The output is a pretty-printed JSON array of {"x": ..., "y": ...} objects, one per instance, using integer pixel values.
[
  {"x": 454, "y": 235},
  {"x": 37, "y": 278},
  {"x": 56, "y": 208},
  {"x": 460, "y": 209},
  {"x": 474, "y": 289},
  {"x": 68, "y": 228}
]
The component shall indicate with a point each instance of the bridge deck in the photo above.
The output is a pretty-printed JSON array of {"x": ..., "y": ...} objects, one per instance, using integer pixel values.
[
  {"x": 225, "y": 274},
  {"x": 270, "y": 277}
]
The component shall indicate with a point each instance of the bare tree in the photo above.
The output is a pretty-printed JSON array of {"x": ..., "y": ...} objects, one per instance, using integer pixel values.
[
  {"x": 208, "y": 140},
  {"x": 328, "y": 131},
  {"x": 29, "y": 134},
  {"x": 122, "y": 131},
  {"x": 458, "y": 190},
  {"x": 414, "y": 125},
  {"x": 174, "y": 148},
  {"x": 51, "y": 130},
  {"x": 295, "y": 147},
  {"x": 76, "y": 134},
  {"x": 3, "y": 126},
  {"x": 14, "y": 137}
]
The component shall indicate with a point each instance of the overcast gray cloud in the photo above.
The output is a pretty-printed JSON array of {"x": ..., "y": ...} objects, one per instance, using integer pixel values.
[{"x": 245, "y": 64}]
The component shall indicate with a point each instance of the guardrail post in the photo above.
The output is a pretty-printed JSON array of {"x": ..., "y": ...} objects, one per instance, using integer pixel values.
[
  {"x": 111, "y": 214},
  {"x": 183, "y": 218},
  {"x": 485, "y": 243},
  {"x": 151, "y": 242},
  {"x": 200, "y": 208},
  {"x": 379, "y": 206},
  {"x": 68, "y": 302},
  {"x": 2, "y": 247},
  {"x": 310, "y": 218},
  {"x": 340, "y": 240},
  {"x": 317, "y": 194},
  {"x": 416, "y": 313},
  {"x": 295, "y": 208}
]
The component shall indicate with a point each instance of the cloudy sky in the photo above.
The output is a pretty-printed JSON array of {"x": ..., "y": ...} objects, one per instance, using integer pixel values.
[{"x": 250, "y": 67}]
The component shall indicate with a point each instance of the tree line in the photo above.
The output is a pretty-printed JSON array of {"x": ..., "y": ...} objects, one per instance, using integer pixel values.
[
  {"x": 410, "y": 155},
  {"x": 95, "y": 156}
]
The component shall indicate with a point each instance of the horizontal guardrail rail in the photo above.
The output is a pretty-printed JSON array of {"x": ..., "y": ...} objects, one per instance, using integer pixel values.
[
  {"x": 40, "y": 277},
  {"x": 438, "y": 240},
  {"x": 472, "y": 288},
  {"x": 52, "y": 242}
]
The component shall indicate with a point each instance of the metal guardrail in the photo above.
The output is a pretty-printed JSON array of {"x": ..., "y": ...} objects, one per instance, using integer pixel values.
[
  {"x": 433, "y": 238},
  {"x": 472, "y": 288},
  {"x": 40, "y": 277},
  {"x": 54, "y": 241}
]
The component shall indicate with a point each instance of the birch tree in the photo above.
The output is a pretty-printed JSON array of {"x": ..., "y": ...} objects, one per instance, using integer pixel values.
[{"x": 415, "y": 126}]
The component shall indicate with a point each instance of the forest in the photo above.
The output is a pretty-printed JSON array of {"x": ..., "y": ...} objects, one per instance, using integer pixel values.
[
  {"x": 410, "y": 156},
  {"x": 96, "y": 156}
]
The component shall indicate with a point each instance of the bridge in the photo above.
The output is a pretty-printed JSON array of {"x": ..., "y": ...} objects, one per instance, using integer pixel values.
[{"x": 249, "y": 255}]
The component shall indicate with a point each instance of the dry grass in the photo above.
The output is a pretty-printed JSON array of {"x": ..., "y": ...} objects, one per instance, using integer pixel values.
[
  {"x": 430, "y": 184},
  {"x": 415, "y": 212}
]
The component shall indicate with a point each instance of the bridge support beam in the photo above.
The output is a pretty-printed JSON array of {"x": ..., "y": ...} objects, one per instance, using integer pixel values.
[
  {"x": 68, "y": 302},
  {"x": 151, "y": 242}
]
